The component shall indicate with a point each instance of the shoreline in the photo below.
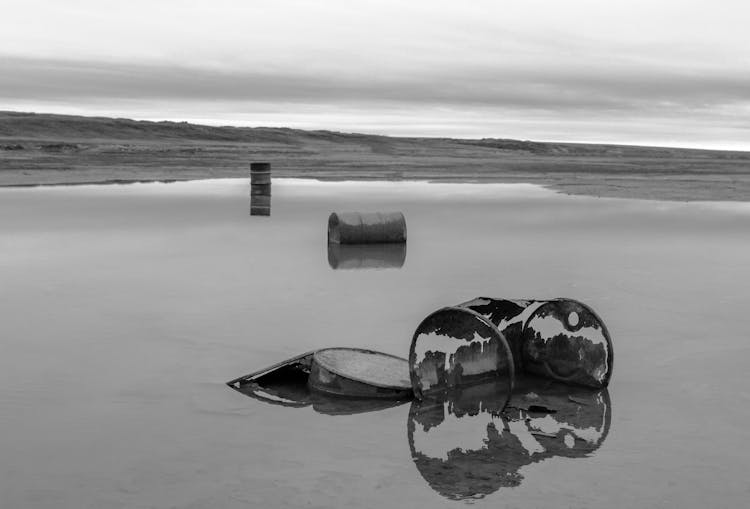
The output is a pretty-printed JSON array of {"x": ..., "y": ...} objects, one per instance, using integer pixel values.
[
  {"x": 595, "y": 186},
  {"x": 46, "y": 150}
]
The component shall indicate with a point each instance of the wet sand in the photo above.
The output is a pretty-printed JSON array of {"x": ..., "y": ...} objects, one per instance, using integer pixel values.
[{"x": 125, "y": 309}]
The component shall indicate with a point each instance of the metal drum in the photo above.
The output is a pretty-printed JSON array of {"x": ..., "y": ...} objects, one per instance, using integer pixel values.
[
  {"x": 358, "y": 373},
  {"x": 381, "y": 381},
  {"x": 366, "y": 227},
  {"x": 457, "y": 347},
  {"x": 561, "y": 339}
]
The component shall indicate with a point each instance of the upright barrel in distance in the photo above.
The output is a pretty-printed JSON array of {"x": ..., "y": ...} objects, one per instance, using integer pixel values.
[
  {"x": 260, "y": 189},
  {"x": 561, "y": 339},
  {"x": 366, "y": 227},
  {"x": 366, "y": 256},
  {"x": 260, "y": 174}
]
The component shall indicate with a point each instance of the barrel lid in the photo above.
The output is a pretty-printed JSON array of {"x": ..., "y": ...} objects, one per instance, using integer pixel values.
[{"x": 366, "y": 366}]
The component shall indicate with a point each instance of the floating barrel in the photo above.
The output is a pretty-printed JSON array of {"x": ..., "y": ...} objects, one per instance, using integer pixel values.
[
  {"x": 366, "y": 227},
  {"x": 354, "y": 372},
  {"x": 486, "y": 443},
  {"x": 285, "y": 384},
  {"x": 456, "y": 347},
  {"x": 366, "y": 256},
  {"x": 561, "y": 339}
]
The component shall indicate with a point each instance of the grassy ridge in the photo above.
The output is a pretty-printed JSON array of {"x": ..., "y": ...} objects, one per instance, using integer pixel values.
[{"x": 44, "y": 148}]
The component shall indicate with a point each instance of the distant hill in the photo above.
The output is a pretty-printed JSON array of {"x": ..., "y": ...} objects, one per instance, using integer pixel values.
[
  {"x": 45, "y": 148},
  {"x": 50, "y": 126}
]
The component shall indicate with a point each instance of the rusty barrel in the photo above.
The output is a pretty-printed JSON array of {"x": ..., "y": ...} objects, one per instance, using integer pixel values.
[
  {"x": 561, "y": 339},
  {"x": 354, "y": 372},
  {"x": 260, "y": 173},
  {"x": 366, "y": 227},
  {"x": 457, "y": 347}
]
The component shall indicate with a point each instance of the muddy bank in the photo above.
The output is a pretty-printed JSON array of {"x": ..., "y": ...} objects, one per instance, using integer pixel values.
[{"x": 38, "y": 149}]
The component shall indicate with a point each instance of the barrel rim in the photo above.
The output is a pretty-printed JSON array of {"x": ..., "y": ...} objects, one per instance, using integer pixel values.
[
  {"x": 359, "y": 379},
  {"x": 503, "y": 341},
  {"x": 605, "y": 332}
]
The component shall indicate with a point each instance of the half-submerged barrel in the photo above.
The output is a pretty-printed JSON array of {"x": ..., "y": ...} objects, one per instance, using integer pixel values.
[
  {"x": 287, "y": 384},
  {"x": 366, "y": 227},
  {"x": 353, "y": 372},
  {"x": 561, "y": 339},
  {"x": 366, "y": 256}
]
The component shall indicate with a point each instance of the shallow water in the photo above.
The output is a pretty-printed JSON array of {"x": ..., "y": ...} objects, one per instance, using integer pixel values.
[{"x": 124, "y": 309}]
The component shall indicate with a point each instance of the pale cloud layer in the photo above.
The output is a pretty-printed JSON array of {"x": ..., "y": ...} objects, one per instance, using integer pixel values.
[{"x": 674, "y": 72}]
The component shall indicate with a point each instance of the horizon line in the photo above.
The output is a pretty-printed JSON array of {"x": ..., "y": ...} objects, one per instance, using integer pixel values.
[{"x": 213, "y": 122}]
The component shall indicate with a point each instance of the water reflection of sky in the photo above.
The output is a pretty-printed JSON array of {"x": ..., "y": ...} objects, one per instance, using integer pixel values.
[{"x": 125, "y": 308}]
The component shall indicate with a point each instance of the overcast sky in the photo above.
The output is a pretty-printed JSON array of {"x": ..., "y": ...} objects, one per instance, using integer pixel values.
[{"x": 648, "y": 72}]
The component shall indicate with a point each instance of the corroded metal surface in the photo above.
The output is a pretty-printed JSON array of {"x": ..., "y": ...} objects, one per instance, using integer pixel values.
[
  {"x": 566, "y": 340},
  {"x": 292, "y": 391},
  {"x": 456, "y": 347},
  {"x": 469, "y": 444},
  {"x": 360, "y": 373},
  {"x": 260, "y": 174},
  {"x": 366, "y": 256},
  {"x": 562, "y": 339},
  {"x": 366, "y": 227},
  {"x": 287, "y": 383}
]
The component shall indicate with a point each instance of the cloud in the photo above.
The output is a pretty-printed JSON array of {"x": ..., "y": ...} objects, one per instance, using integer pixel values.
[{"x": 635, "y": 89}]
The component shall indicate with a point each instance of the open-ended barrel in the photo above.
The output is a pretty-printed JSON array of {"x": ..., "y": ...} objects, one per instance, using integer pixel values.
[
  {"x": 560, "y": 339},
  {"x": 366, "y": 227}
]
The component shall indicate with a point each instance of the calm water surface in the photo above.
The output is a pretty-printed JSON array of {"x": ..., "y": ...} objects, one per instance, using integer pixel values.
[{"x": 124, "y": 309}]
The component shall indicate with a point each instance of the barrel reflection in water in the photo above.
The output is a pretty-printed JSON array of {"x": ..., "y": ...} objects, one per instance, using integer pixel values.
[
  {"x": 288, "y": 386},
  {"x": 466, "y": 446},
  {"x": 260, "y": 205},
  {"x": 260, "y": 189},
  {"x": 366, "y": 256}
]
